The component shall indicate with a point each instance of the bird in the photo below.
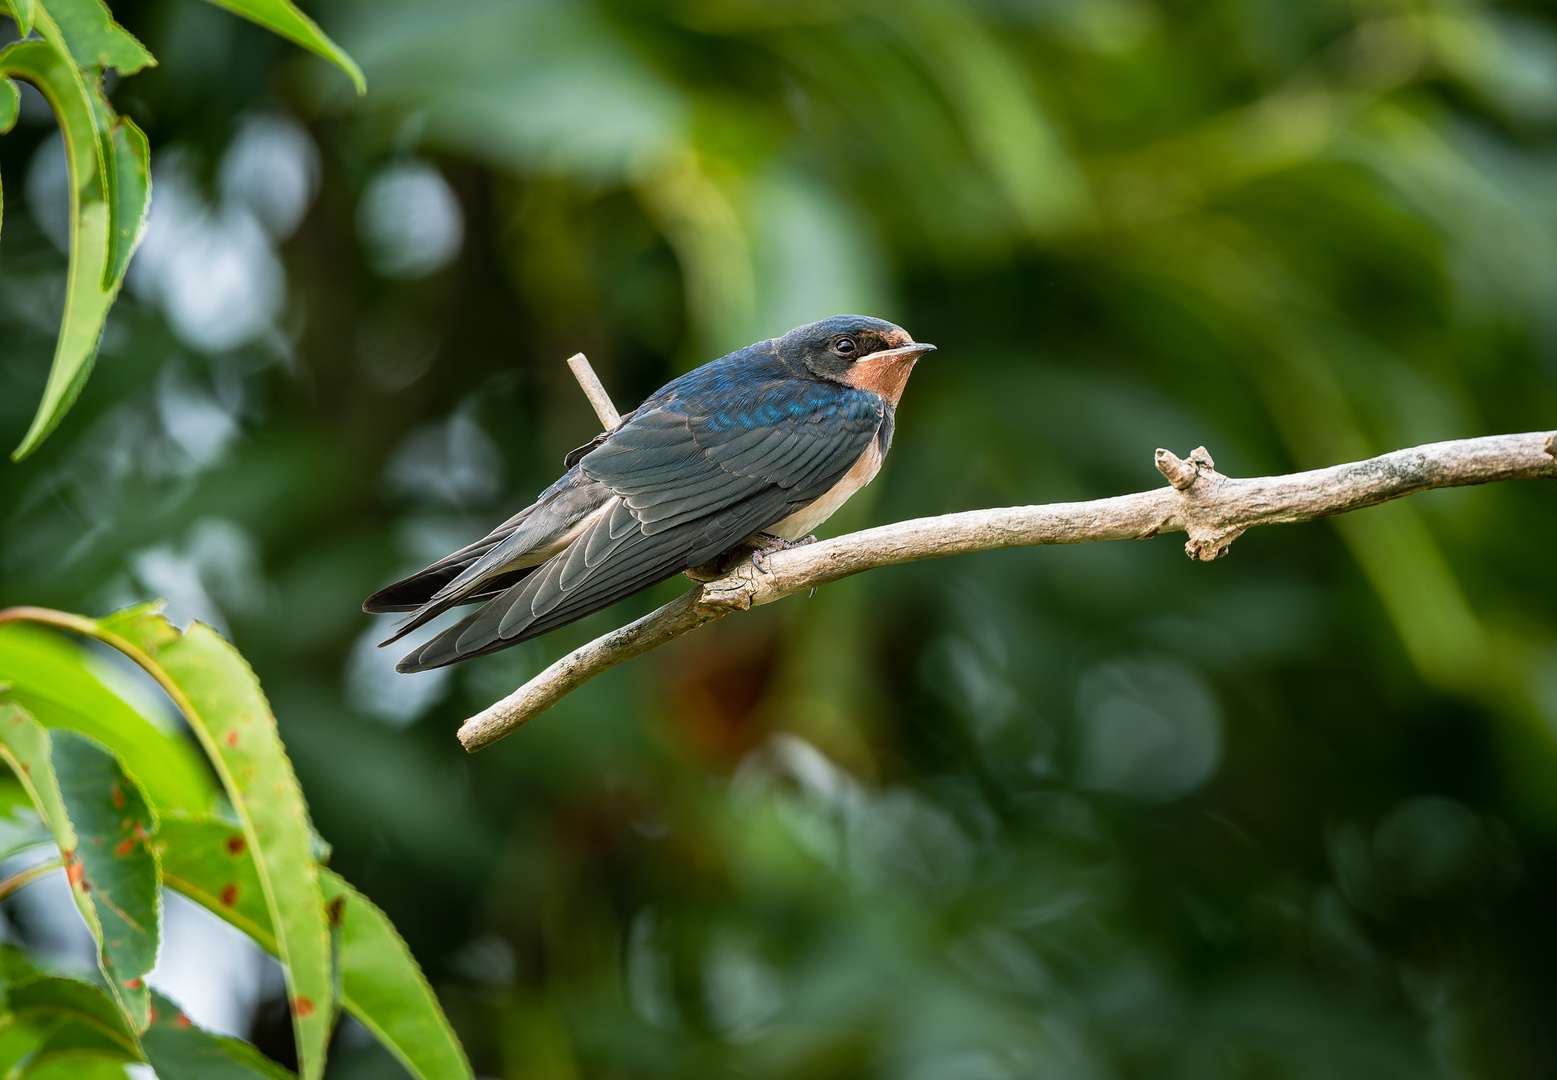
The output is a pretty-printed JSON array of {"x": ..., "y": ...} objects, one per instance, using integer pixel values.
[{"x": 760, "y": 446}]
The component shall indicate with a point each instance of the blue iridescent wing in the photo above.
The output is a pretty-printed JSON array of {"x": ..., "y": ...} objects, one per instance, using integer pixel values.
[{"x": 714, "y": 457}]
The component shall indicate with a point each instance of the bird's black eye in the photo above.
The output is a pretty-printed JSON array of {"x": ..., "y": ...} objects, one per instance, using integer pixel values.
[{"x": 845, "y": 347}]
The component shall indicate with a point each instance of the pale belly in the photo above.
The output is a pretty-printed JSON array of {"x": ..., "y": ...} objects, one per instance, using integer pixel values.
[{"x": 805, "y": 521}]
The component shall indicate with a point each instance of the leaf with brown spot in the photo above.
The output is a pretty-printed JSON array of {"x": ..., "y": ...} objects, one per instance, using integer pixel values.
[
  {"x": 71, "y": 780},
  {"x": 381, "y": 984}
]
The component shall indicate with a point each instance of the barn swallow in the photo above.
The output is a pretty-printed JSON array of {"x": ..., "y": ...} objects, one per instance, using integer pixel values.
[{"x": 766, "y": 443}]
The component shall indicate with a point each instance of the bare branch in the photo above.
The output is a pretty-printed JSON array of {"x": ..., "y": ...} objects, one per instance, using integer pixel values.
[
  {"x": 1213, "y": 509},
  {"x": 595, "y": 391}
]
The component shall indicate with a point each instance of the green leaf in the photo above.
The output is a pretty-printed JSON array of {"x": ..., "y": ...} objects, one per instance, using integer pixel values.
[
  {"x": 381, "y": 984},
  {"x": 221, "y": 698},
  {"x": 68, "y": 1014},
  {"x": 93, "y": 38},
  {"x": 101, "y": 822},
  {"x": 10, "y": 105},
  {"x": 115, "y": 866},
  {"x": 25, "y": 747},
  {"x": 285, "y": 19},
  {"x": 180, "y": 1051},
  {"x": 52, "y": 677},
  {"x": 384, "y": 988},
  {"x": 48, "y": 1018},
  {"x": 50, "y": 69},
  {"x": 77, "y": 1067},
  {"x": 128, "y": 160},
  {"x": 22, "y": 12},
  {"x": 75, "y": 1042},
  {"x": 209, "y": 862}
]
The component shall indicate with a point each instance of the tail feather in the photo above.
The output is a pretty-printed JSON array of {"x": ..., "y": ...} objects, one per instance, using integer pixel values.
[
  {"x": 498, "y": 561},
  {"x": 410, "y": 593},
  {"x": 437, "y": 606}
]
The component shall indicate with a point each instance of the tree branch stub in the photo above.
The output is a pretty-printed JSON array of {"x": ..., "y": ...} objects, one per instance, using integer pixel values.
[{"x": 595, "y": 391}]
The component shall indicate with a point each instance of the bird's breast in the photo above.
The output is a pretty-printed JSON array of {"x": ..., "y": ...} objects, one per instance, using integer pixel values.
[{"x": 804, "y": 522}]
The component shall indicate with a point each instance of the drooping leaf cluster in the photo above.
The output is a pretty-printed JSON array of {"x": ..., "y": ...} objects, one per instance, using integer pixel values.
[{"x": 133, "y": 809}]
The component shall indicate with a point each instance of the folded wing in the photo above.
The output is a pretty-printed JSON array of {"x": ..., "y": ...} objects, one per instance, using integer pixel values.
[{"x": 691, "y": 474}]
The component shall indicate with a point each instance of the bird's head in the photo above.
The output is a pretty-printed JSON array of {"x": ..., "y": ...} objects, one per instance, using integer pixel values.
[{"x": 871, "y": 354}]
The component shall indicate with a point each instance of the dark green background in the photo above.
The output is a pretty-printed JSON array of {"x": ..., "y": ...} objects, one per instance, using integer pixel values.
[{"x": 1081, "y": 812}]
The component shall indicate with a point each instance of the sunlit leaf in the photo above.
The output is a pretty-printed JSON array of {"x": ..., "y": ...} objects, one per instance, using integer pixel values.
[
  {"x": 381, "y": 983},
  {"x": 43, "y": 64},
  {"x": 94, "y": 39},
  {"x": 101, "y": 821},
  {"x": 221, "y": 698},
  {"x": 180, "y": 1051},
  {"x": 49, "y": 675},
  {"x": 285, "y": 19}
]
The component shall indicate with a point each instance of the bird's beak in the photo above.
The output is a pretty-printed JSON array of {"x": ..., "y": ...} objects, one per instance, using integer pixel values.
[{"x": 906, "y": 352}]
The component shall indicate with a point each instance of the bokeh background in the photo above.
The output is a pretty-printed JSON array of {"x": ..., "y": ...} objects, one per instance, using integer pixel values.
[{"x": 1082, "y": 812}]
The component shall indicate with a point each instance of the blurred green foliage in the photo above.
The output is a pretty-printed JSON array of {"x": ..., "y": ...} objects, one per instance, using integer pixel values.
[
  {"x": 68, "y": 48},
  {"x": 1078, "y": 812}
]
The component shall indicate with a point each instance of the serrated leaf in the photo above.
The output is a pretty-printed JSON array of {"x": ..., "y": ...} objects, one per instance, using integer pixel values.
[
  {"x": 50, "y": 677},
  {"x": 214, "y": 862},
  {"x": 100, "y": 820},
  {"x": 93, "y": 38},
  {"x": 381, "y": 983},
  {"x": 47, "y": 66},
  {"x": 178, "y": 1050},
  {"x": 220, "y": 697},
  {"x": 285, "y": 19},
  {"x": 384, "y": 988},
  {"x": 114, "y": 866},
  {"x": 25, "y": 747}
]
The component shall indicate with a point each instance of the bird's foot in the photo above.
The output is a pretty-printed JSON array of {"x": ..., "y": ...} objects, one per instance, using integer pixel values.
[{"x": 766, "y": 544}]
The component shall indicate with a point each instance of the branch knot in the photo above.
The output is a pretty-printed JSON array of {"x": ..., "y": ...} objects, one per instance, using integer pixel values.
[
  {"x": 1209, "y": 536},
  {"x": 1182, "y": 474}
]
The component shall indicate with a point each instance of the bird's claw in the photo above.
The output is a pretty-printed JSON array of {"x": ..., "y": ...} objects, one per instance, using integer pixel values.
[{"x": 767, "y": 544}]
